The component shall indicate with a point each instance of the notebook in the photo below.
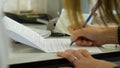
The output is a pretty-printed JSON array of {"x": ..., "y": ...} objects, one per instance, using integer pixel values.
[{"x": 25, "y": 35}]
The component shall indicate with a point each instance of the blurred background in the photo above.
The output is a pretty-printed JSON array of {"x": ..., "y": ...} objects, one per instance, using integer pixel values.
[{"x": 38, "y": 6}]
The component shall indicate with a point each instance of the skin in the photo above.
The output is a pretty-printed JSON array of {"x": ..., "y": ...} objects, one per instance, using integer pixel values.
[
  {"x": 89, "y": 36},
  {"x": 84, "y": 59},
  {"x": 93, "y": 36}
]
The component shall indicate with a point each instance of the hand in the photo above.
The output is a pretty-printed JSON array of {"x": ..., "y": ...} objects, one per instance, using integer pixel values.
[
  {"x": 83, "y": 59},
  {"x": 89, "y": 36},
  {"x": 93, "y": 36},
  {"x": 73, "y": 28}
]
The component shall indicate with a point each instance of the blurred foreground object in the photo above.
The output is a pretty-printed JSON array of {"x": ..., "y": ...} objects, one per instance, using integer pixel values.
[{"x": 3, "y": 41}]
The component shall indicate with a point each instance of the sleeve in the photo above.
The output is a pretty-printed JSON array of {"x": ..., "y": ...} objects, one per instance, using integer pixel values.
[
  {"x": 119, "y": 34},
  {"x": 117, "y": 67}
]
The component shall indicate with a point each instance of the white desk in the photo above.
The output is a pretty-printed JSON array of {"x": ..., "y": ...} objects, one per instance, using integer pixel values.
[{"x": 25, "y": 54}]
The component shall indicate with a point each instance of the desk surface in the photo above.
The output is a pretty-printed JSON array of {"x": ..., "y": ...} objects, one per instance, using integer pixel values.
[{"x": 24, "y": 54}]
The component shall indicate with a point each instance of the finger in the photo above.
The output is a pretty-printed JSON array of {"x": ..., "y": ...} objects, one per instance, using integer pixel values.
[
  {"x": 77, "y": 35},
  {"x": 69, "y": 57},
  {"x": 65, "y": 55},
  {"x": 75, "y": 53},
  {"x": 86, "y": 54},
  {"x": 90, "y": 43},
  {"x": 81, "y": 43},
  {"x": 84, "y": 43},
  {"x": 65, "y": 67},
  {"x": 74, "y": 38},
  {"x": 78, "y": 54},
  {"x": 71, "y": 29},
  {"x": 71, "y": 51}
]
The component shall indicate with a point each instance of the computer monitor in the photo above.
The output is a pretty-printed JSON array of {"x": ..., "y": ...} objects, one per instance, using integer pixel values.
[{"x": 3, "y": 41}]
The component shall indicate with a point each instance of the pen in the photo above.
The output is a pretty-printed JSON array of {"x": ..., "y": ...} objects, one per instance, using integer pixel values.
[
  {"x": 89, "y": 17},
  {"x": 84, "y": 25}
]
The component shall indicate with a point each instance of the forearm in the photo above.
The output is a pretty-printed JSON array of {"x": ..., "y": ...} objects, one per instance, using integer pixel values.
[{"x": 111, "y": 35}]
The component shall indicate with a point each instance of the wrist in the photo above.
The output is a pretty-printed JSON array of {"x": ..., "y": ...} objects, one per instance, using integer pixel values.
[{"x": 111, "y": 35}]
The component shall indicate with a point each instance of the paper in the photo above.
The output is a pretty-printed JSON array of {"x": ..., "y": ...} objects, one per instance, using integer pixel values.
[
  {"x": 44, "y": 33},
  {"x": 54, "y": 45},
  {"x": 23, "y": 34}
]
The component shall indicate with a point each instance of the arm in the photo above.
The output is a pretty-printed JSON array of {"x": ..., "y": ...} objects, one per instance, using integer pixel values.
[{"x": 111, "y": 34}]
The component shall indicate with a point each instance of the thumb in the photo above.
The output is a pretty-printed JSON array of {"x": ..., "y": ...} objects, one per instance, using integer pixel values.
[
  {"x": 76, "y": 35},
  {"x": 80, "y": 35},
  {"x": 74, "y": 38}
]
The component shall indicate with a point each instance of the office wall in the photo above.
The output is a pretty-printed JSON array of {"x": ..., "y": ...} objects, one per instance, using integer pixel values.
[
  {"x": 10, "y": 5},
  {"x": 43, "y": 6},
  {"x": 54, "y": 6},
  {"x": 16, "y": 5},
  {"x": 85, "y": 6}
]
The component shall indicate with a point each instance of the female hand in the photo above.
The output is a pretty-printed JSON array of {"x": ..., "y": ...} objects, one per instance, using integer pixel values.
[
  {"x": 83, "y": 59},
  {"x": 93, "y": 36}
]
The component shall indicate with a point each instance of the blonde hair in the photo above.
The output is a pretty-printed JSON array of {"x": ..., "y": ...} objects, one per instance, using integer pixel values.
[
  {"x": 111, "y": 10},
  {"x": 74, "y": 11},
  {"x": 106, "y": 9}
]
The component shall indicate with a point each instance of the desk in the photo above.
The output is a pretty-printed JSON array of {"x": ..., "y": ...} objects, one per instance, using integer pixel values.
[{"x": 27, "y": 57}]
